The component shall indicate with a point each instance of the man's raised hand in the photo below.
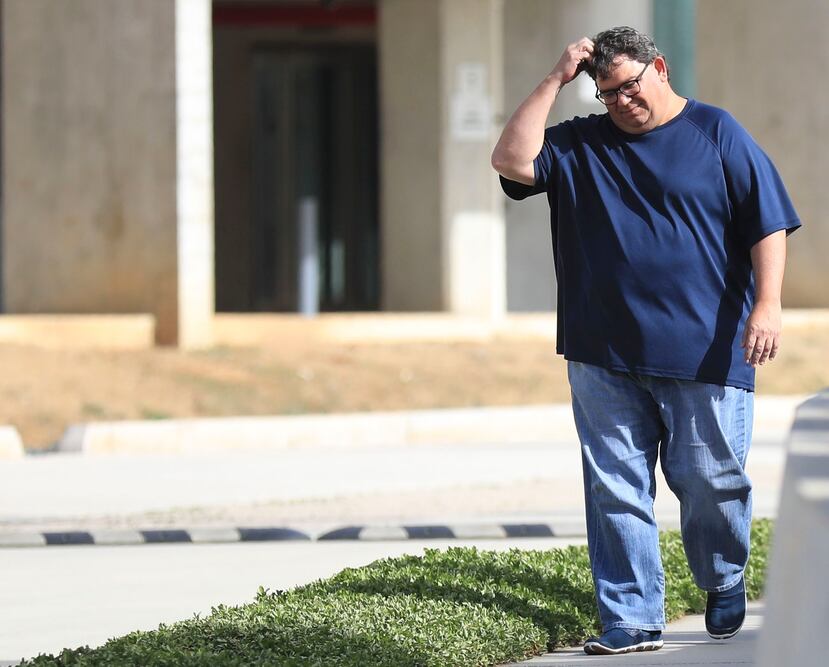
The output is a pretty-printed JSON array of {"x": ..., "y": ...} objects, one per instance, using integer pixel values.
[{"x": 574, "y": 55}]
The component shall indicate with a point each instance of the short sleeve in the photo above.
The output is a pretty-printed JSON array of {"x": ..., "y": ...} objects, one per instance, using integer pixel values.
[
  {"x": 759, "y": 201},
  {"x": 543, "y": 167}
]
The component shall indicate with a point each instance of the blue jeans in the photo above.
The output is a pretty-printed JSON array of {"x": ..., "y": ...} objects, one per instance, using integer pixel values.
[{"x": 701, "y": 434}]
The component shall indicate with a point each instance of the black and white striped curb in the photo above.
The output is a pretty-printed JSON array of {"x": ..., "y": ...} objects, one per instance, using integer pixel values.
[{"x": 281, "y": 534}]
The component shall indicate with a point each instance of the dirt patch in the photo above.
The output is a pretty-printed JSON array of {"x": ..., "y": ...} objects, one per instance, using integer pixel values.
[{"x": 44, "y": 391}]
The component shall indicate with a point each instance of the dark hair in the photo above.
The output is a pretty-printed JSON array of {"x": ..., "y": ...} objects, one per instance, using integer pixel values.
[{"x": 621, "y": 42}]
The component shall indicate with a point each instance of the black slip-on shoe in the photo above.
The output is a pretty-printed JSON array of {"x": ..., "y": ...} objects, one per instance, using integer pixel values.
[{"x": 725, "y": 611}]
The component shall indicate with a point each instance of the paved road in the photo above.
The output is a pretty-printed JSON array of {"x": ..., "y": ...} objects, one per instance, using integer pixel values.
[
  {"x": 52, "y": 598},
  {"x": 38, "y": 489}
]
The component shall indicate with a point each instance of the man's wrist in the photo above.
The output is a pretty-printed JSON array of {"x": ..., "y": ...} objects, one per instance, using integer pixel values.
[
  {"x": 769, "y": 302},
  {"x": 555, "y": 79}
]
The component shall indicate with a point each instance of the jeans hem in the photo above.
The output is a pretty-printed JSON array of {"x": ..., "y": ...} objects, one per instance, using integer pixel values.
[
  {"x": 651, "y": 627},
  {"x": 724, "y": 587}
]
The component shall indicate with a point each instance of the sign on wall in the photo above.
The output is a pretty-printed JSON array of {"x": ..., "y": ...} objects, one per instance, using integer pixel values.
[{"x": 470, "y": 106}]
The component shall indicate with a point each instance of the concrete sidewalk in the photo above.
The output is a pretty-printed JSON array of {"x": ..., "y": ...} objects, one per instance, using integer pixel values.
[{"x": 686, "y": 643}]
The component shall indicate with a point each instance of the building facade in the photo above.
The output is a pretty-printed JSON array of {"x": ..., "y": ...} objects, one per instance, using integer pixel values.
[{"x": 182, "y": 157}]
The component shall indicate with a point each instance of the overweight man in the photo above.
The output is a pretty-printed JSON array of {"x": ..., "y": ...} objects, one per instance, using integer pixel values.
[{"x": 669, "y": 228}]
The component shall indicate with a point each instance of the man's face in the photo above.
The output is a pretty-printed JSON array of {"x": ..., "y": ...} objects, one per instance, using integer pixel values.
[{"x": 643, "y": 111}]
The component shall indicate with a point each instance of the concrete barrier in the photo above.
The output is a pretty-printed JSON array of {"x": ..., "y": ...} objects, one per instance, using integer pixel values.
[
  {"x": 11, "y": 446},
  {"x": 798, "y": 589},
  {"x": 540, "y": 423},
  {"x": 516, "y": 424}
]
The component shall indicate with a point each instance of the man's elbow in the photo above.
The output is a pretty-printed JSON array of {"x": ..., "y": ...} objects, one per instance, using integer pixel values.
[
  {"x": 505, "y": 164},
  {"x": 512, "y": 169},
  {"x": 499, "y": 161}
]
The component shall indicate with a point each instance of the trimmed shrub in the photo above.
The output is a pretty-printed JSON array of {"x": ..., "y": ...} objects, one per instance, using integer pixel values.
[{"x": 460, "y": 607}]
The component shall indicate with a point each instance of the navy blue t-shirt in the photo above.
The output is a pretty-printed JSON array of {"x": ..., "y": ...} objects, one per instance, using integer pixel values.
[{"x": 651, "y": 241}]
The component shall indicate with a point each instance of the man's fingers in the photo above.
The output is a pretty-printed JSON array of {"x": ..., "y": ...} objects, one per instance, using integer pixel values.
[
  {"x": 756, "y": 344},
  {"x": 761, "y": 336},
  {"x": 772, "y": 347},
  {"x": 760, "y": 345},
  {"x": 766, "y": 352},
  {"x": 749, "y": 339},
  {"x": 570, "y": 65},
  {"x": 581, "y": 50},
  {"x": 757, "y": 351}
]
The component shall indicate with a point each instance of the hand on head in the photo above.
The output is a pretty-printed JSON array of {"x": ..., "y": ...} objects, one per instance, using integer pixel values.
[{"x": 575, "y": 57}]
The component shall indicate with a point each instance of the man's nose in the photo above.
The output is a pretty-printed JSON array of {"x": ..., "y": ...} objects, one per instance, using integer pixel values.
[{"x": 622, "y": 100}]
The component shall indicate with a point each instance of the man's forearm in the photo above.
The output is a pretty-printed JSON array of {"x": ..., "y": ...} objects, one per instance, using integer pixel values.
[
  {"x": 768, "y": 259},
  {"x": 761, "y": 338}
]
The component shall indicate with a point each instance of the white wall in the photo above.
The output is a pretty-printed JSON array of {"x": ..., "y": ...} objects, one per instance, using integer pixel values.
[{"x": 765, "y": 62}]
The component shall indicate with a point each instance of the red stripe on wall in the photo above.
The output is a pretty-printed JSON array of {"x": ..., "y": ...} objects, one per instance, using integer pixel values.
[{"x": 292, "y": 15}]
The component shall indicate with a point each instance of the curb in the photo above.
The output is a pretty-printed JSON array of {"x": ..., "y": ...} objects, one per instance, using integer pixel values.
[
  {"x": 11, "y": 446},
  {"x": 450, "y": 426},
  {"x": 567, "y": 527},
  {"x": 365, "y": 533},
  {"x": 537, "y": 423}
]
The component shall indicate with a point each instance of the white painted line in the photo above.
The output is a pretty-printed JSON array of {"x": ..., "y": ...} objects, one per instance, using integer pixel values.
[
  {"x": 472, "y": 532},
  {"x": 213, "y": 535},
  {"x": 22, "y": 540},
  {"x": 376, "y": 533},
  {"x": 113, "y": 537}
]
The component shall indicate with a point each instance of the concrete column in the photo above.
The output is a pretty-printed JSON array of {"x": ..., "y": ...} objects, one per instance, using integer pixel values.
[
  {"x": 750, "y": 60},
  {"x": 194, "y": 195},
  {"x": 536, "y": 33},
  {"x": 106, "y": 154},
  {"x": 410, "y": 160},
  {"x": 474, "y": 261},
  {"x": 443, "y": 237}
]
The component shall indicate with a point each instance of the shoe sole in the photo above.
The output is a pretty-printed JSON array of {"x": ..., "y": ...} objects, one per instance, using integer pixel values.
[
  {"x": 730, "y": 633},
  {"x": 595, "y": 648}
]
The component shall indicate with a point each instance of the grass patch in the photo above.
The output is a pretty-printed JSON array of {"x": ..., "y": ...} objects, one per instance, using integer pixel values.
[{"x": 459, "y": 607}]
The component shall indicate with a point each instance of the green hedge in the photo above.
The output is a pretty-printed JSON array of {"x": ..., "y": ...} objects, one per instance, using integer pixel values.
[{"x": 459, "y": 607}]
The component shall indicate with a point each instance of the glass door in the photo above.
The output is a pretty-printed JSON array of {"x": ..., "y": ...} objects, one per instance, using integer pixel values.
[{"x": 315, "y": 163}]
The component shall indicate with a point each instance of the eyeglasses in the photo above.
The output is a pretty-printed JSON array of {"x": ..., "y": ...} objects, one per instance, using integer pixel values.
[{"x": 628, "y": 89}]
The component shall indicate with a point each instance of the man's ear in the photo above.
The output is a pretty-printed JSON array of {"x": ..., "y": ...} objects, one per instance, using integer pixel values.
[{"x": 661, "y": 68}]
